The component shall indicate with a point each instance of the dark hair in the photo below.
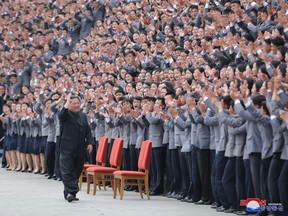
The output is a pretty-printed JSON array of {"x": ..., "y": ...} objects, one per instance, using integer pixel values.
[
  {"x": 265, "y": 108},
  {"x": 258, "y": 99},
  {"x": 162, "y": 101}
]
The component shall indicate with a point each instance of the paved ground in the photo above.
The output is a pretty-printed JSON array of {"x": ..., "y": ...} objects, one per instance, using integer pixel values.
[{"x": 28, "y": 194}]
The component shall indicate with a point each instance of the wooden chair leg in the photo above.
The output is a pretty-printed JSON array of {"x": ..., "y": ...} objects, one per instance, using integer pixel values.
[
  {"x": 115, "y": 184},
  {"x": 140, "y": 188},
  {"x": 88, "y": 183},
  {"x": 147, "y": 188},
  {"x": 95, "y": 177},
  {"x": 103, "y": 182},
  {"x": 80, "y": 181},
  {"x": 98, "y": 183},
  {"x": 112, "y": 182},
  {"x": 122, "y": 189}
]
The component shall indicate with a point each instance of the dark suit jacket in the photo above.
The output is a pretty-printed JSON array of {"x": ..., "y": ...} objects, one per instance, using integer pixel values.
[{"x": 75, "y": 133}]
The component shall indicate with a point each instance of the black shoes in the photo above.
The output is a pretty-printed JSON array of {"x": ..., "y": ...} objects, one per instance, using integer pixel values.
[
  {"x": 154, "y": 193},
  {"x": 241, "y": 212},
  {"x": 185, "y": 199},
  {"x": 201, "y": 202},
  {"x": 171, "y": 195},
  {"x": 221, "y": 209},
  {"x": 181, "y": 196},
  {"x": 71, "y": 197},
  {"x": 214, "y": 205},
  {"x": 230, "y": 210},
  {"x": 190, "y": 200}
]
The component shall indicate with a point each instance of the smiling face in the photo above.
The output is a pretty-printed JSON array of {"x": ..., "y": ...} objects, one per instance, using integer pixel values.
[{"x": 74, "y": 105}]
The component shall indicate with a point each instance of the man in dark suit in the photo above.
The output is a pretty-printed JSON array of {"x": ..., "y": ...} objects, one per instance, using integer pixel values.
[{"x": 75, "y": 138}]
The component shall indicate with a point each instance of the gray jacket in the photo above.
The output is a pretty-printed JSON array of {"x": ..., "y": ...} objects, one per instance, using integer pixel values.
[
  {"x": 142, "y": 130},
  {"x": 253, "y": 139},
  {"x": 265, "y": 127},
  {"x": 156, "y": 129},
  {"x": 203, "y": 131}
]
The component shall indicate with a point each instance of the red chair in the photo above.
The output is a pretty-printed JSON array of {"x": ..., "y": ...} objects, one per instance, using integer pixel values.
[
  {"x": 142, "y": 176},
  {"x": 100, "y": 173},
  {"x": 100, "y": 159}
]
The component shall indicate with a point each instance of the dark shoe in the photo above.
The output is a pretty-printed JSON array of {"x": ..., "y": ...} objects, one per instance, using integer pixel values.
[
  {"x": 221, "y": 209},
  {"x": 185, "y": 198},
  {"x": 200, "y": 202},
  {"x": 181, "y": 196},
  {"x": 214, "y": 205},
  {"x": 71, "y": 198},
  {"x": 243, "y": 212},
  {"x": 230, "y": 210},
  {"x": 153, "y": 193},
  {"x": 168, "y": 193},
  {"x": 136, "y": 190},
  {"x": 171, "y": 195},
  {"x": 176, "y": 195},
  {"x": 49, "y": 177},
  {"x": 59, "y": 179},
  {"x": 208, "y": 203},
  {"x": 46, "y": 175},
  {"x": 190, "y": 201}
]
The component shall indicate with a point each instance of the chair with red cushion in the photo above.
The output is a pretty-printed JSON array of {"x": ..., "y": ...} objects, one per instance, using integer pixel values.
[
  {"x": 121, "y": 177},
  {"x": 103, "y": 172},
  {"x": 100, "y": 159}
]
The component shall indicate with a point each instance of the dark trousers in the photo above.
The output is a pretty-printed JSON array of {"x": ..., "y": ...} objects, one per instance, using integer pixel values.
[
  {"x": 188, "y": 159},
  {"x": 126, "y": 159},
  {"x": 240, "y": 178},
  {"x": 229, "y": 182},
  {"x": 203, "y": 158},
  {"x": 133, "y": 158},
  {"x": 3, "y": 162},
  {"x": 197, "y": 187},
  {"x": 265, "y": 164},
  {"x": 255, "y": 165},
  {"x": 92, "y": 156},
  {"x": 250, "y": 192},
  {"x": 157, "y": 169},
  {"x": 213, "y": 179},
  {"x": 109, "y": 149},
  {"x": 184, "y": 172},
  {"x": 175, "y": 171},
  {"x": 283, "y": 187},
  {"x": 71, "y": 169},
  {"x": 168, "y": 174},
  {"x": 273, "y": 176},
  {"x": 57, "y": 156},
  {"x": 220, "y": 163},
  {"x": 50, "y": 157}
]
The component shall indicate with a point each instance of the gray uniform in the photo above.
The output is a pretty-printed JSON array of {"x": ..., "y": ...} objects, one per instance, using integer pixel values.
[
  {"x": 253, "y": 139},
  {"x": 203, "y": 131},
  {"x": 156, "y": 129}
]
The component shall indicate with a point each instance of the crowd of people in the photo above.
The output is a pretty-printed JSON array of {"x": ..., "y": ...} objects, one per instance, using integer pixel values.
[{"x": 204, "y": 80}]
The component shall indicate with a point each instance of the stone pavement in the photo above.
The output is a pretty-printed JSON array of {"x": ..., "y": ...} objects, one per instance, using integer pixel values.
[{"x": 28, "y": 194}]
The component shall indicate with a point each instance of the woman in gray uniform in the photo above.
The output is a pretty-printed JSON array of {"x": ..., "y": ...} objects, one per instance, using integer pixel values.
[
  {"x": 23, "y": 135},
  {"x": 36, "y": 130}
]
